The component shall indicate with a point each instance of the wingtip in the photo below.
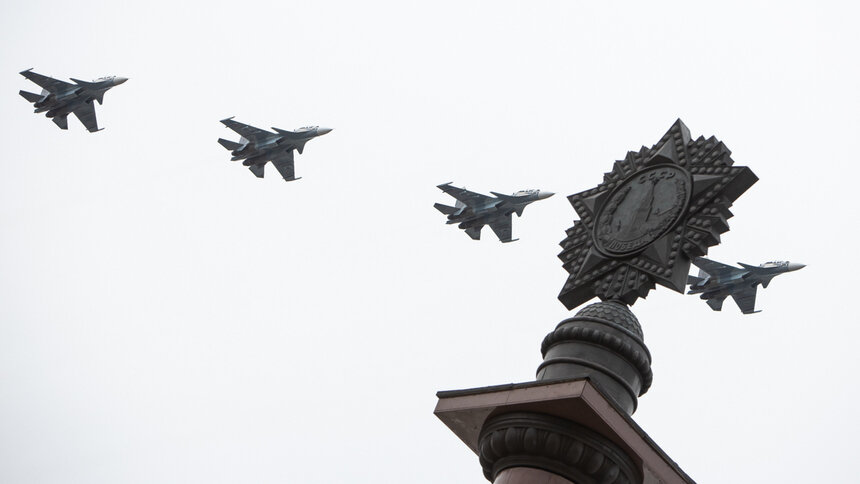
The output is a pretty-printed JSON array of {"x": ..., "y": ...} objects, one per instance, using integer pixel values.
[
  {"x": 25, "y": 70},
  {"x": 444, "y": 185},
  {"x": 227, "y": 119}
]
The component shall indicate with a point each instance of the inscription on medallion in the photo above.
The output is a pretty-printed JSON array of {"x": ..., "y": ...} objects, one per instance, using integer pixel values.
[{"x": 643, "y": 208}]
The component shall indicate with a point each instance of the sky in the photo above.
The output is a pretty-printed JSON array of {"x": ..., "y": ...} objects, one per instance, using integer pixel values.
[{"x": 166, "y": 317}]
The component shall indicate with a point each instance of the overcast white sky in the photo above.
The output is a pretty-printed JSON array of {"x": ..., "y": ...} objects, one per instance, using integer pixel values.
[{"x": 166, "y": 317}]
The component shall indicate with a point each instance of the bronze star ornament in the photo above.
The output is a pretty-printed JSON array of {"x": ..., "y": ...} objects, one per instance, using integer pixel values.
[{"x": 655, "y": 211}]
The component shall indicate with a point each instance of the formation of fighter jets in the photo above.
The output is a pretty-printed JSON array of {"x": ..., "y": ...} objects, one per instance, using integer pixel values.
[
  {"x": 255, "y": 148},
  {"x": 472, "y": 211}
]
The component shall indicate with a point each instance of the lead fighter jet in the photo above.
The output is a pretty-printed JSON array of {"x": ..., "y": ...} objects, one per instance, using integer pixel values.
[
  {"x": 474, "y": 210},
  {"x": 258, "y": 146},
  {"x": 59, "y": 98},
  {"x": 716, "y": 281}
]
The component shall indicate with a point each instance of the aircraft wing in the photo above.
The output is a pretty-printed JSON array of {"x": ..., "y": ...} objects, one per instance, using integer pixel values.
[
  {"x": 502, "y": 229},
  {"x": 471, "y": 199},
  {"x": 86, "y": 112},
  {"x": 284, "y": 164},
  {"x": 248, "y": 132},
  {"x": 713, "y": 267},
  {"x": 745, "y": 299},
  {"x": 48, "y": 83}
]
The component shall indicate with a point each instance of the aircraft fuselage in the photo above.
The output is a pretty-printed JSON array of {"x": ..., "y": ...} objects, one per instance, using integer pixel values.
[
  {"x": 63, "y": 103},
  {"x": 491, "y": 211},
  {"x": 266, "y": 149}
]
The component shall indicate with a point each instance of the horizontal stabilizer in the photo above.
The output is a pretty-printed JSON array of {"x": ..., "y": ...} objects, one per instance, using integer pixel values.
[
  {"x": 716, "y": 303},
  {"x": 474, "y": 232},
  {"x": 29, "y": 96},
  {"x": 693, "y": 279},
  {"x": 61, "y": 121},
  {"x": 257, "y": 170},
  {"x": 230, "y": 145},
  {"x": 447, "y": 210},
  {"x": 293, "y": 178}
]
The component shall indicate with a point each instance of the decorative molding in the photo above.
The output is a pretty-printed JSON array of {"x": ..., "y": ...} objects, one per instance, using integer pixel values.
[
  {"x": 555, "y": 445},
  {"x": 641, "y": 361}
]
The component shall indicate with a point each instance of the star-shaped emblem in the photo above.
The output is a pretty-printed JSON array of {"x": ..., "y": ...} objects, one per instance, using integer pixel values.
[{"x": 655, "y": 211}]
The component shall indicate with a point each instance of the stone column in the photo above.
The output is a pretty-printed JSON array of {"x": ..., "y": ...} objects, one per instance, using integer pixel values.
[{"x": 602, "y": 343}]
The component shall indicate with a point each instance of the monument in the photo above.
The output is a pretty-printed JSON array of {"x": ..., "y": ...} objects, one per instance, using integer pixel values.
[{"x": 653, "y": 213}]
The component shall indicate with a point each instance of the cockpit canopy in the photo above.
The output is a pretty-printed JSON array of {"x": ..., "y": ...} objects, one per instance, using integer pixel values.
[
  {"x": 775, "y": 263},
  {"x": 306, "y": 128},
  {"x": 105, "y": 78},
  {"x": 523, "y": 193}
]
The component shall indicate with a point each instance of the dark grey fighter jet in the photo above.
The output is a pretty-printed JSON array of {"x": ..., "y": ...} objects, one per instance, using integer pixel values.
[
  {"x": 258, "y": 146},
  {"x": 716, "y": 281},
  {"x": 473, "y": 210},
  {"x": 59, "y": 98}
]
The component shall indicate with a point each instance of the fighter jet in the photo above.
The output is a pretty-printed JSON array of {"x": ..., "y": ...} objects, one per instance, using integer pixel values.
[
  {"x": 716, "y": 281},
  {"x": 474, "y": 210},
  {"x": 258, "y": 146},
  {"x": 59, "y": 98}
]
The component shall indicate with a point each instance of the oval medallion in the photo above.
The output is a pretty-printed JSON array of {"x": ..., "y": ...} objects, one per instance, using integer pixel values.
[{"x": 640, "y": 210}]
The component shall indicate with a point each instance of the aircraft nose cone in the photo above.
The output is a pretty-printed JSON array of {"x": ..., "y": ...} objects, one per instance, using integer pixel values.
[
  {"x": 793, "y": 266},
  {"x": 321, "y": 131},
  {"x": 543, "y": 195},
  {"x": 119, "y": 80}
]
